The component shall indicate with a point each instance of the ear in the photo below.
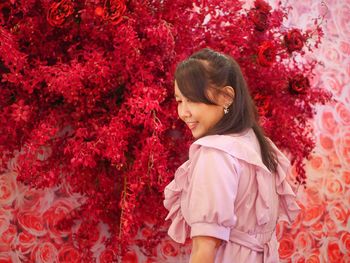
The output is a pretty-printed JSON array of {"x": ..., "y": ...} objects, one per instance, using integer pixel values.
[{"x": 226, "y": 96}]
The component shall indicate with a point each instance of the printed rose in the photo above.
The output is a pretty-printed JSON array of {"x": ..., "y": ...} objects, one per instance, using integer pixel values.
[
  {"x": 114, "y": 10},
  {"x": 106, "y": 256},
  {"x": 304, "y": 241},
  {"x": 338, "y": 212},
  {"x": 44, "y": 253},
  {"x": 25, "y": 242},
  {"x": 342, "y": 144},
  {"x": 346, "y": 177},
  {"x": 9, "y": 235},
  {"x": 330, "y": 226},
  {"x": 326, "y": 142},
  {"x": 266, "y": 54},
  {"x": 340, "y": 12},
  {"x": 343, "y": 112},
  {"x": 317, "y": 230},
  {"x": 130, "y": 257},
  {"x": 334, "y": 253},
  {"x": 31, "y": 223},
  {"x": 297, "y": 258},
  {"x": 294, "y": 40},
  {"x": 312, "y": 215},
  {"x": 169, "y": 248},
  {"x": 32, "y": 199},
  {"x": 7, "y": 238},
  {"x": 9, "y": 257},
  {"x": 314, "y": 257},
  {"x": 318, "y": 162},
  {"x": 286, "y": 248},
  {"x": 68, "y": 254},
  {"x": 54, "y": 216},
  {"x": 345, "y": 241},
  {"x": 333, "y": 82},
  {"x": 4, "y": 224},
  {"x": 313, "y": 193},
  {"x": 299, "y": 84},
  {"x": 334, "y": 188},
  {"x": 59, "y": 12},
  {"x": 8, "y": 188}
]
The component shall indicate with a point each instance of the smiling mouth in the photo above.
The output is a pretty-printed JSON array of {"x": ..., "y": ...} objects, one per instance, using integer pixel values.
[{"x": 192, "y": 125}]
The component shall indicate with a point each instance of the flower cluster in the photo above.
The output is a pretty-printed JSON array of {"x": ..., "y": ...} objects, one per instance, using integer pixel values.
[{"x": 87, "y": 97}]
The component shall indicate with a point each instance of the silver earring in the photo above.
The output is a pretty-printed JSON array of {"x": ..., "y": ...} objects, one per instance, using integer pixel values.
[{"x": 226, "y": 110}]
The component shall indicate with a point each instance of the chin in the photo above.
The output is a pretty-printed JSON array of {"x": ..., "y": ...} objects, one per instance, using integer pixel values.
[{"x": 198, "y": 135}]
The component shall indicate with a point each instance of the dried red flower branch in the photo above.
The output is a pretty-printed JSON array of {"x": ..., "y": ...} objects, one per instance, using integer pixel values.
[{"x": 86, "y": 98}]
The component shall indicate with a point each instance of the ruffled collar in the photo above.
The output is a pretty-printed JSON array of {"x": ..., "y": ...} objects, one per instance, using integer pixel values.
[
  {"x": 240, "y": 147},
  {"x": 237, "y": 145}
]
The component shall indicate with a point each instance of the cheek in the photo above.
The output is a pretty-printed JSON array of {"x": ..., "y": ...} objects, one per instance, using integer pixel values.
[
  {"x": 180, "y": 112},
  {"x": 214, "y": 115}
]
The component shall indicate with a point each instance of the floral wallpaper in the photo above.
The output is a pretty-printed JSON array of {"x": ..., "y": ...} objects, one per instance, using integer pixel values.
[{"x": 321, "y": 231}]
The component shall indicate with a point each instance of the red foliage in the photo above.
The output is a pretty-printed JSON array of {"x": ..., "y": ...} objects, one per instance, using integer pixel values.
[{"x": 86, "y": 95}]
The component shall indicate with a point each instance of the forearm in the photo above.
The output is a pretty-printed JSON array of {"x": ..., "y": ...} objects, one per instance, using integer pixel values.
[
  {"x": 204, "y": 249},
  {"x": 202, "y": 257}
]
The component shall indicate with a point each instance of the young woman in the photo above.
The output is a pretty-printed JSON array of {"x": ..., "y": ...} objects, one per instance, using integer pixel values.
[{"x": 230, "y": 193}]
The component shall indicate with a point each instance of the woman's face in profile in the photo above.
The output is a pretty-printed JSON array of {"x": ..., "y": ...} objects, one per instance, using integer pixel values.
[{"x": 199, "y": 117}]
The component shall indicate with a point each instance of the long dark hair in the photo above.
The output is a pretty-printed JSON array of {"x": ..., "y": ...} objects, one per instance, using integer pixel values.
[{"x": 210, "y": 69}]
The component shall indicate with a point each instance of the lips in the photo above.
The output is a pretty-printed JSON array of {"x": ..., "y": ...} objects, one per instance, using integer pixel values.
[{"x": 192, "y": 125}]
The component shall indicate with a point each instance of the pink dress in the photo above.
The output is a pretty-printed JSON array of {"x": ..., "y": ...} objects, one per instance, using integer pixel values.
[{"x": 225, "y": 191}]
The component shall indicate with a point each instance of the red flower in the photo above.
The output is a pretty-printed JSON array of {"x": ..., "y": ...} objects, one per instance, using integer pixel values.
[
  {"x": 266, "y": 54},
  {"x": 299, "y": 84},
  {"x": 262, "y": 6},
  {"x": 260, "y": 20},
  {"x": 68, "y": 253},
  {"x": 99, "y": 11},
  {"x": 114, "y": 10},
  {"x": 259, "y": 15},
  {"x": 58, "y": 12},
  {"x": 20, "y": 111},
  {"x": 262, "y": 104},
  {"x": 294, "y": 40}
]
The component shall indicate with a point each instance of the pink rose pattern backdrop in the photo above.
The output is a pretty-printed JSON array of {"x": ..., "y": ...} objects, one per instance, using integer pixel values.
[{"x": 321, "y": 232}]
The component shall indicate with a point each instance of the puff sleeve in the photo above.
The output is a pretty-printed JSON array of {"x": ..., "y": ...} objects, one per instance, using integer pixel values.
[{"x": 208, "y": 204}]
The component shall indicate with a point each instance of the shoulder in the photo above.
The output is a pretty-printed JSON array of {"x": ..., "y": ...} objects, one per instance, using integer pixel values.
[
  {"x": 209, "y": 155},
  {"x": 224, "y": 142},
  {"x": 243, "y": 147}
]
